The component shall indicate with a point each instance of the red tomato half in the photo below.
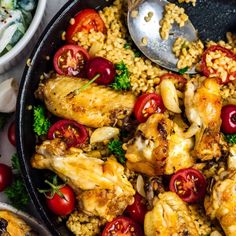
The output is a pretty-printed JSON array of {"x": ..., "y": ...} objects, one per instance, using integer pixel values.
[
  {"x": 86, "y": 20},
  {"x": 71, "y": 132},
  {"x": 146, "y": 105},
  {"x": 5, "y": 176},
  {"x": 62, "y": 206},
  {"x": 138, "y": 209},
  {"x": 122, "y": 226},
  {"x": 189, "y": 184},
  {"x": 206, "y": 71},
  {"x": 178, "y": 80},
  {"x": 70, "y": 60},
  {"x": 12, "y": 133}
]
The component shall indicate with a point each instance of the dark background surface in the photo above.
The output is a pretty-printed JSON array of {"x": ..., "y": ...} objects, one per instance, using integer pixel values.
[{"x": 212, "y": 18}]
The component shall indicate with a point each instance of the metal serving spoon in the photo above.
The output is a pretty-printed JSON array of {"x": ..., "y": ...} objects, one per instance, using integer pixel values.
[{"x": 156, "y": 49}]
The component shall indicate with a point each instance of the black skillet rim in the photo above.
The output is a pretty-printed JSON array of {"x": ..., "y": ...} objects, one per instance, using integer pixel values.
[{"x": 22, "y": 105}]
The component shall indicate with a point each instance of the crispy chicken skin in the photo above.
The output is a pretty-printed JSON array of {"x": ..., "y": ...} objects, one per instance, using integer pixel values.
[
  {"x": 203, "y": 108},
  {"x": 159, "y": 147},
  {"x": 221, "y": 204},
  {"x": 96, "y": 106},
  {"x": 100, "y": 184},
  {"x": 170, "y": 216}
]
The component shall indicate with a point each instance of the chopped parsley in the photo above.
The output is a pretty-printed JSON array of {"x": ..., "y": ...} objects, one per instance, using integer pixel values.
[
  {"x": 137, "y": 53},
  {"x": 41, "y": 122},
  {"x": 127, "y": 46},
  {"x": 16, "y": 192},
  {"x": 115, "y": 147},
  {"x": 230, "y": 138},
  {"x": 122, "y": 81},
  {"x": 15, "y": 162},
  {"x": 183, "y": 71}
]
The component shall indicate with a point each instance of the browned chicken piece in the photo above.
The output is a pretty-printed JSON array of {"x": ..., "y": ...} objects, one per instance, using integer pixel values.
[
  {"x": 221, "y": 204},
  {"x": 96, "y": 106},
  {"x": 203, "y": 108},
  {"x": 159, "y": 147},
  {"x": 103, "y": 189},
  {"x": 232, "y": 157},
  {"x": 170, "y": 216}
]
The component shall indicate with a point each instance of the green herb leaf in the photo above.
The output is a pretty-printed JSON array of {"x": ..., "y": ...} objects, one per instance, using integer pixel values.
[
  {"x": 41, "y": 123},
  {"x": 137, "y": 53},
  {"x": 17, "y": 193},
  {"x": 127, "y": 46},
  {"x": 15, "y": 162},
  {"x": 115, "y": 147},
  {"x": 122, "y": 81},
  {"x": 230, "y": 138},
  {"x": 183, "y": 71}
]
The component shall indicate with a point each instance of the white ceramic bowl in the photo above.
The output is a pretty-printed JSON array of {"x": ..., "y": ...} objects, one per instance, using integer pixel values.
[
  {"x": 19, "y": 50},
  {"x": 31, "y": 221}
]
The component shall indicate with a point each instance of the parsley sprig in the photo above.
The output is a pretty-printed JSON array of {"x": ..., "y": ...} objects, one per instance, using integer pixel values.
[
  {"x": 41, "y": 122},
  {"x": 230, "y": 138},
  {"x": 115, "y": 147},
  {"x": 16, "y": 192},
  {"x": 122, "y": 81},
  {"x": 183, "y": 71}
]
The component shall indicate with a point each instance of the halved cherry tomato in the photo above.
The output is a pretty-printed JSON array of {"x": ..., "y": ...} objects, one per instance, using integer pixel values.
[
  {"x": 71, "y": 132},
  {"x": 70, "y": 60},
  {"x": 206, "y": 70},
  {"x": 189, "y": 184},
  {"x": 146, "y": 105},
  {"x": 178, "y": 80},
  {"x": 228, "y": 116},
  {"x": 122, "y": 226},
  {"x": 86, "y": 20},
  {"x": 138, "y": 209},
  {"x": 12, "y": 133}
]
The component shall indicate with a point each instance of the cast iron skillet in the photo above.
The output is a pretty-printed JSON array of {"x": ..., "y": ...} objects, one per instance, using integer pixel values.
[
  {"x": 47, "y": 45},
  {"x": 211, "y": 17}
]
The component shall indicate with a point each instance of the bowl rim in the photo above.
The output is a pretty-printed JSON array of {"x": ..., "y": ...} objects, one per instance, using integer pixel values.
[
  {"x": 34, "y": 223},
  {"x": 20, "y": 45}
]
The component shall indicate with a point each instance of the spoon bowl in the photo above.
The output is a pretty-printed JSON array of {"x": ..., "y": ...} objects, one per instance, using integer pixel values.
[{"x": 155, "y": 48}]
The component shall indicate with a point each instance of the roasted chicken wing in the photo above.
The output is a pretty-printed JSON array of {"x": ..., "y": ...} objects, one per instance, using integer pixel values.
[
  {"x": 103, "y": 189},
  {"x": 95, "y": 106},
  {"x": 203, "y": 108},
  {"x": 170, "y": 216},
  {"x": 159, "y": 147},
  {"x": 221, "y": 204}
]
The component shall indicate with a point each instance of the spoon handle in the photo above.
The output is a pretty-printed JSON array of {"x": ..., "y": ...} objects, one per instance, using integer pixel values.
[{"x": 133, "y": 3}]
